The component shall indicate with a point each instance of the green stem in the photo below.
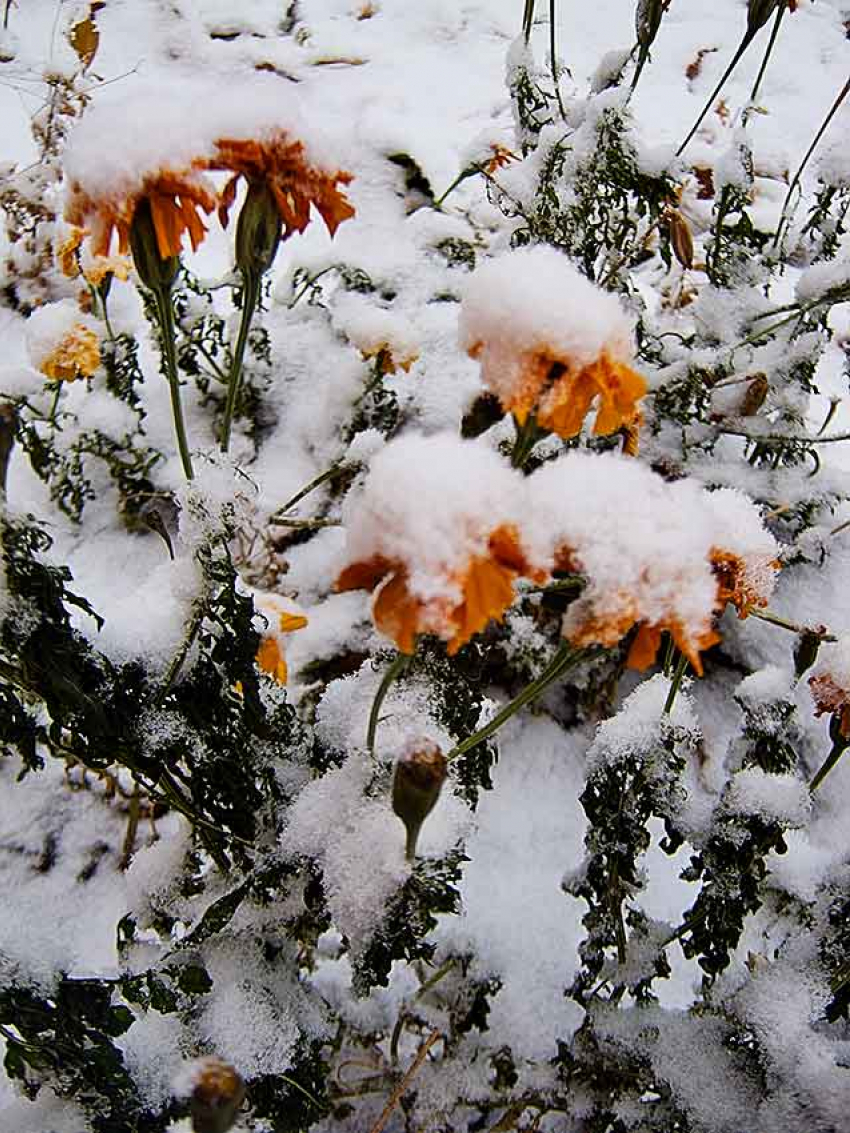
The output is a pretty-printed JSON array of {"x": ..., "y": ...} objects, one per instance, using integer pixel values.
[
  {"x": 681, "y": 668},
  {"x": 526, "y": 438},
  {"x": 839, "y": 746},
  {"x": 553, "y": 57},
  {"x": 783, "y": 623},
  {"x": 462, "y": 176},
  {"x": 565, "y": 658},
  {"x": 780, "y": 12},
  {"x": 250, "y": 299},
  {"x": 396, "y": 668},
  {"x": 329, "y": 474},
  {"x": 795, "y": 181},
  {"x": 162, "y": 296}
]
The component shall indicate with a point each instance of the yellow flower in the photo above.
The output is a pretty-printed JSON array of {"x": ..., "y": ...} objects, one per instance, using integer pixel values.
[{"x": 76, "y": 355}]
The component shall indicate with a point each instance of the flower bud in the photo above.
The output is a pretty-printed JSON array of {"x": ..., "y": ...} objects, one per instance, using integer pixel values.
[
  {"x": 759, "y": 12},
  {"x": 681, "y": 240},
  {"x": 156, "y": 273},
  {"x": 806, "y": 650},
  {"x": 648, "y": 20},
  {"x": 216, "y": 1097},
  {"x": 754, "y": 398},
  {"x": 419, "y": 776},
  {"x": 258, "y": 230}
]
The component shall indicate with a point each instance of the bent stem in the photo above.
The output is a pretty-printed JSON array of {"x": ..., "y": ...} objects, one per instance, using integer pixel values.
[
  {"x": 165, "y": 314},
  {"x": 527, "y": 436},
  {"x": 675, "y": 684},
  {"x": 250, "y": 299},
  {"x": 396, "y": 668},
  {"x": 839, "y": 746},
  {"x": 565, "y": 658}
]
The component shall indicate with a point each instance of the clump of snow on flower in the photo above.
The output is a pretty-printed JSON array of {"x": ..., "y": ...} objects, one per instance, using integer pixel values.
[
  {"x": 373, "y": 329},
  {"x": 432, "y": 503},
  {"x": 644, "y": 545},
  {"x": 170, "y": 125},
  {"x": 51, "y": 325},
  {"x": 643, "y": 548},
  {"x": 532, "y": 302}
]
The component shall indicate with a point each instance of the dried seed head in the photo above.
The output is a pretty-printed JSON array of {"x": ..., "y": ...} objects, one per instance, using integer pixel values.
[
  {"x": 155, "y": 272},
  {"x": 216, "y": 1098},
  {"x": 759, "y": 12},
  {"x": 681, "y": 240},
  {"x": 419, "y": 776},
  {"x": 755, "y": 396},
  {"x": 258, "y": 230}
]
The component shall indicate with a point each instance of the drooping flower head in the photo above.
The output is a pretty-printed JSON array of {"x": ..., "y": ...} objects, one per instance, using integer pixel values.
[
  {"x": 156, "y": 144},
  {"x": 551, "y": 343},
  {"x": 656, "y": 556},
  {"x": 281, "y": 163},
  {"x": 62, "y": 342},
  {"x": 435, "y": 530}
]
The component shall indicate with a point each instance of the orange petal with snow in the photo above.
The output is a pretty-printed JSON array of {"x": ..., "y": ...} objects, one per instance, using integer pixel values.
[{"x": 397, "y": 613}]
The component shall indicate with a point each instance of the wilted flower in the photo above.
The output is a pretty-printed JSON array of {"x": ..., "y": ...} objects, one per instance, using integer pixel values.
[
  {"x": 830, "y": 684},
  {"x": 551, "y": 343},
  {"x": 435, "y": 530}
]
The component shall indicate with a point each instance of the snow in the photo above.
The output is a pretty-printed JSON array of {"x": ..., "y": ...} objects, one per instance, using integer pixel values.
[
  {"x": 533, "y": 303},
  {"x": 431, "y": 504},
  {"x": 427, "y": 81}
]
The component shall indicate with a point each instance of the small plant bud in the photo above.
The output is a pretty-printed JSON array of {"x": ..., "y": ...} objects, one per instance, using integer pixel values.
[
  {"x": 155, "y": 272},
  {"x": 419, "y": 776},
  {"x": 754, "y": 398},
  {"x": 258, "y": 230},
  {"x": 216, "y": 1097},
  {"x": 759, "y": 12},
  {"x": 681, "y": 240},
  {"x": 806, "y": 649},
  {"x": 648, "y": 20}
]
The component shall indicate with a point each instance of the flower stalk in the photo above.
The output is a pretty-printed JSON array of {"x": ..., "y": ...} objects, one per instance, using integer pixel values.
[
  {"x": 566, "y": 657},
  {"x": 157, "y": 274}
]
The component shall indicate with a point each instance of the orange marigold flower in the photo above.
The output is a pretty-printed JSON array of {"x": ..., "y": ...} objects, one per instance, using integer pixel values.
[
  {"x": 484, "y": 585},
  {"x": 551, "y": 343},
  {"x": 435, "y": 533},
  {"x": 176, "y": 197},
  {"x": 280, "y": 162}
]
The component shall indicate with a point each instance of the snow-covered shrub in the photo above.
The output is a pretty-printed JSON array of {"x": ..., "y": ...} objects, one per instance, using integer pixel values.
[{"x": 424, "y": 670}]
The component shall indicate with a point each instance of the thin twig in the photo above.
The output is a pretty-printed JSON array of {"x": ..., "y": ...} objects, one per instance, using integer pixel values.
[
  {"x": 783, "y": 217},
  {"x": 399, "y": 1091}
]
